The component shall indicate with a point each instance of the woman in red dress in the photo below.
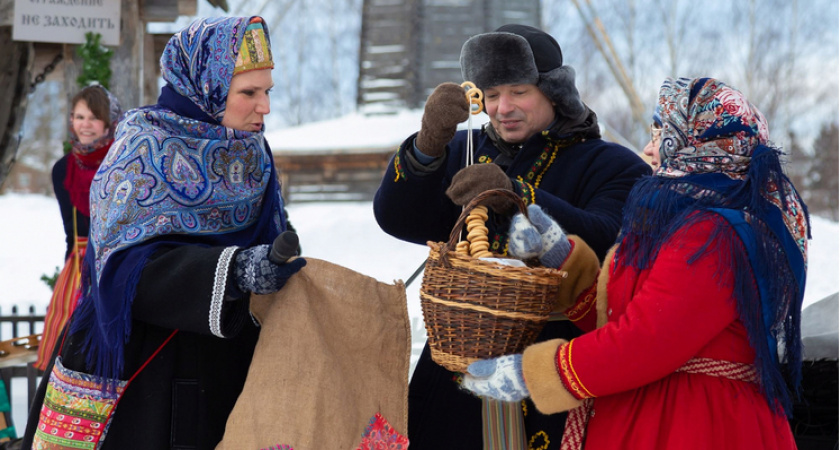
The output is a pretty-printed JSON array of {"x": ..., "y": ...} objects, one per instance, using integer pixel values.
[
  {"x": 93, "y": 117},
  {"x": 698, "y": 304}
]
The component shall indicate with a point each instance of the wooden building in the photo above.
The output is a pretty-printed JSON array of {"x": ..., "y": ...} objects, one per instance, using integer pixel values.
[
  {"x": 134, "y": 65},
  {"x": 339, "y": 159},
  {"x": 406, "y": 49},
  {"x": 409, "y": 47}
]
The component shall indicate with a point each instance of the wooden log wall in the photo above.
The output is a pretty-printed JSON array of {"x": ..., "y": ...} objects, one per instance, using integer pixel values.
[
  {"x": 408, "y": 48},
  {"x": 338, "y": 176}
]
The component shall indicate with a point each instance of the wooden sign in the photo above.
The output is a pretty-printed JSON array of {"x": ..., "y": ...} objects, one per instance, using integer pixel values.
[{"x": 66, "y": 21}]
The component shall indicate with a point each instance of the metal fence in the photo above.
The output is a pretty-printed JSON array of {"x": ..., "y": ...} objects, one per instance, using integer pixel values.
[{"x": 14, "y": 324}]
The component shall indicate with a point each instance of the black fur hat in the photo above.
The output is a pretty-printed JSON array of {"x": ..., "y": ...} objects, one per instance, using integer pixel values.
[{"x": 519, "y": 54}]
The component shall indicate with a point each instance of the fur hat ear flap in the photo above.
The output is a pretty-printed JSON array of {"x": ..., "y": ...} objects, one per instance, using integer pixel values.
[
  {"x": 559, "y": 86},
  {"x": 493, "y": 59}
]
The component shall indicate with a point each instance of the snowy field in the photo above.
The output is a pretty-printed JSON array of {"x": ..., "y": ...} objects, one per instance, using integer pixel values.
[{"x": 343, "y": 233}]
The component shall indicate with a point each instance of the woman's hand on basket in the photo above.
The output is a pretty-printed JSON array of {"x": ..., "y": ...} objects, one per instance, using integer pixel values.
[
  {"x": 541, "y": 236},
  {"x": 499, "y": 378},
  {"x": 477, "y": 178}
]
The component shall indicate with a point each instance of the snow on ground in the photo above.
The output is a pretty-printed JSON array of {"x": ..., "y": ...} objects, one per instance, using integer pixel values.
[{"x": 343, "y": 233}]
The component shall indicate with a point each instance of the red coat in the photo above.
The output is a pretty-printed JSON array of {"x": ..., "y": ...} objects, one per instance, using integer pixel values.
[{"x": 658, "y": 319}]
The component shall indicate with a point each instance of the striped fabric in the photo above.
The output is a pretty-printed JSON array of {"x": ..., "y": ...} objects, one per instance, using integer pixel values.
[
  {"x": 78, "y": 407},
  {"x": 725, "y": 369},
  {"x": 63, "y": 302},
  {"x": 575, "y": 431},
  {"x": 503, "y": 425},
  {"x": 77, "y": 410}
]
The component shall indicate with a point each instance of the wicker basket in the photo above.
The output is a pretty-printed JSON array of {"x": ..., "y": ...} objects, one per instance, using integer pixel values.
[{"x": 476, "y": 309}]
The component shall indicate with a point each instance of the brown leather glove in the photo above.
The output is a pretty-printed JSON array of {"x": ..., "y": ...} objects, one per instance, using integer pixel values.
[
  {"x": 445, "y": 108},
  {"x": 477, "y": 178}
]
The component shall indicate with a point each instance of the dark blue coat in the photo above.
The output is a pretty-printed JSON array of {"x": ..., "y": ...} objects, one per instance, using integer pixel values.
[{"x": 582, "y": 182}]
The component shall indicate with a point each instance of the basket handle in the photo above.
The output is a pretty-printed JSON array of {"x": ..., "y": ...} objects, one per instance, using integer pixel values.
[{"x": 456, "y": 230}]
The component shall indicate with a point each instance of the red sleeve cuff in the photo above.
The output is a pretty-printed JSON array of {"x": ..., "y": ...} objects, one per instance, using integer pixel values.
[{"x": 568, "y": 377}]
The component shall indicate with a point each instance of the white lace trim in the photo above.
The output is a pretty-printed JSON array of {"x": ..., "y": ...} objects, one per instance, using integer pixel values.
[{"x": 219, "y": 284}]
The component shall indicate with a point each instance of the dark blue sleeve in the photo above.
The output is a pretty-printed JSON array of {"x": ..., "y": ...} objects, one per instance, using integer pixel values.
[
  {"x": 412, "y": 205},
  {"x": 59, "y": 172}
]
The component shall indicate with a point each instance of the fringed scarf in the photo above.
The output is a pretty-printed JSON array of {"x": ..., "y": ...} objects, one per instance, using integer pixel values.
[
  {"x": 716, "y": 159},
  {"x": 86, "y": 158},
  {"x": 174, "y": 176}
]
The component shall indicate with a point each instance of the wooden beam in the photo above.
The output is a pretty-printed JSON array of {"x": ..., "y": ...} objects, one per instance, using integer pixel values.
[
  {"x": 126, "y": 81},
  {"x": 153, "y": 49},
  {"x": 188, "y": 7},
  {"x": 167, "y": 10},
  {"x": 7, "y": 8},
  {"x": 150, "y": 74},
  {"x": 14, "y": 90}
]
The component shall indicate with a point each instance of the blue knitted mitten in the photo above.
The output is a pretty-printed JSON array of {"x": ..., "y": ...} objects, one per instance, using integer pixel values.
[
  {"x": 255, "y": 273},
  {"x": 555, "y": 244},
  {"x": 499, "y": 378},
  {"x": 524, "y": 241}
]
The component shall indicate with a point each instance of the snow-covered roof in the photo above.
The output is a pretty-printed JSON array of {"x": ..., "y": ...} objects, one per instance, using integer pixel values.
[
  {"x": 353, "y": 133},
  {"x": 365, "y": 132}
]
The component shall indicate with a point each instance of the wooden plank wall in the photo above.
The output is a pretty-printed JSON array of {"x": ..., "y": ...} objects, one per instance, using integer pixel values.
[
  {"x": 317, "y": 177},
  {"x": 387, "y": 73},
  {"x": 446, "y": 26},
  {"x": 408, "y": 48}
]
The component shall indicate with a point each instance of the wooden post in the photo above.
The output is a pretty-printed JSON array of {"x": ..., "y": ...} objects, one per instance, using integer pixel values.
[
  {"x": 126, "y": 64},
  {"x": 15, "y": 73}
]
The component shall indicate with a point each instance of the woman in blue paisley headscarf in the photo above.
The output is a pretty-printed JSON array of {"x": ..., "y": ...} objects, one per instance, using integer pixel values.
[
  {"x": 183, "y": 212},
  {"x": 699, "y": 304}
]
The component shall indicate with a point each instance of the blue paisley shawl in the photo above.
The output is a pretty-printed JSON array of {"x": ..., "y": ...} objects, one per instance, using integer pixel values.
[
  {"x": 716, "y": 159},
  {"x": 174, "y": 176}
]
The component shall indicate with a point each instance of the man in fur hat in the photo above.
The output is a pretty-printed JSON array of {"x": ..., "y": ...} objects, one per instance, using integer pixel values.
[{"x": 544, "y": 144}]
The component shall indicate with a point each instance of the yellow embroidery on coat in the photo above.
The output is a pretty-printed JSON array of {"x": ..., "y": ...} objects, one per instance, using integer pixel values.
[
  {"x": 572, "y": 370},
  {"x": 545, "y": 443},
  {"x": 398, "y": 167},
  {"x": 564, "y": 367},
  {"x": 582, "y": 308},
  {"x": 550, "y": 161}
]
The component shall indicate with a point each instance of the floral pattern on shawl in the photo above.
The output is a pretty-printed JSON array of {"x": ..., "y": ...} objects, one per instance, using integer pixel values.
[
  {"x": 167, "y": 174},
  {"x": 718, "y": 133},
  {"x": 717, "y": 159},
  {"x": 174, "y": 176},
  {"x": 199, "y": 61}
]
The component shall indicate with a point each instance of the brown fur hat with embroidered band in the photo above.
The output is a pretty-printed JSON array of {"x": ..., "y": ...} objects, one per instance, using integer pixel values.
[{"x": 519, "y": 54}]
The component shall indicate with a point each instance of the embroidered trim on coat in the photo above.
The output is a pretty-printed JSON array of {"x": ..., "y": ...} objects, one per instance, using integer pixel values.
[
  {"x": 584, "y": 304},
  {"x": 526, "y": 190},
  {"x": 219, "y": 284},
  {"x": 567, "y": 373},
  {"x": 398, "y": 168}
]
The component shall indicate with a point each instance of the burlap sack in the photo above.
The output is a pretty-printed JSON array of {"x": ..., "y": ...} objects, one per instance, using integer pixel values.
[{"x": 333, "y": 352}]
